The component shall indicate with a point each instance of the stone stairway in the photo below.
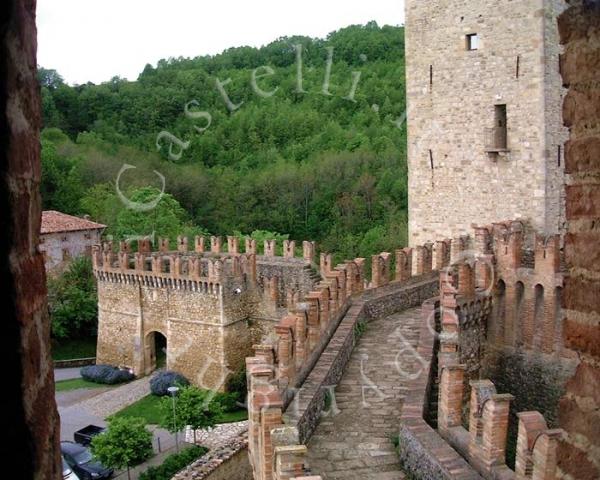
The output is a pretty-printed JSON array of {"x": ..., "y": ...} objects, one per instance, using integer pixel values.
[{"x": 357, "y": 442}]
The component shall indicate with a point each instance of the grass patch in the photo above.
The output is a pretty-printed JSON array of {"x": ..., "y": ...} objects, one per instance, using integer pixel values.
[
  {"x": 75, "y": 384},
  {"x": 359, "y": 329},
  {"x": 237, "y": 416},
  {"x": 148, "y": 408},
  {"x": 73, "y": 348}
]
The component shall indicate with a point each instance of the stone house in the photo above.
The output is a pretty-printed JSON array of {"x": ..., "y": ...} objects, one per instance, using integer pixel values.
[{"x": 64, "y": 237}]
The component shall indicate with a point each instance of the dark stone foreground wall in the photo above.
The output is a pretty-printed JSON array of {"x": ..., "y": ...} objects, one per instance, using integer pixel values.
[
  {"x": 579, "y": 412},
  {"x": 30, "y": 419},
  {"x": 536, "y": 380}
]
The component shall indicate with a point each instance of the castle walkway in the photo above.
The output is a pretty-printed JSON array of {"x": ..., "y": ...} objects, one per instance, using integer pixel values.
[{"x": 356, "y": 441}]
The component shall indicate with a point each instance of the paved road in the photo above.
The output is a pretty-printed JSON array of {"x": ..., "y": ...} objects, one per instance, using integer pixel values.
[
  {"x": 66, "y": 373},
  {"x": 356, "y": 444},
  {"x": 90, "y": 406}
]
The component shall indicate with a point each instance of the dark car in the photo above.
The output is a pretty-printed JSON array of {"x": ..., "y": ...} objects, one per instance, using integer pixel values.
[
  {"x": 85, "y": 435},
  {"x": 80, "y": 459}
]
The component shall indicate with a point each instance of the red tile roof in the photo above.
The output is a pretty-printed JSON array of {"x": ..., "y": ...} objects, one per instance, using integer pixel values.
[{"x": 54, "y": 222}]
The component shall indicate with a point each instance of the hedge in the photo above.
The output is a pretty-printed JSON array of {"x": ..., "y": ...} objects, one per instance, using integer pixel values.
[
  {"x": 173, "y": 464},
  {"x": 160, "y": 382},
  {"x": 106, "y": 374}
]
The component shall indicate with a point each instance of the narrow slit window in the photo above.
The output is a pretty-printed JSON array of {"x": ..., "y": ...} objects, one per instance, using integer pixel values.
[
  {"x": 497, "y": 137},
  {"x": 500, "y": 126},
  {"x": 473, "y": 41}
]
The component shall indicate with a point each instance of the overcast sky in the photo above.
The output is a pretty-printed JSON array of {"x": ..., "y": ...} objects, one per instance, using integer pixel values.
[{"x": 94, "y": 40}]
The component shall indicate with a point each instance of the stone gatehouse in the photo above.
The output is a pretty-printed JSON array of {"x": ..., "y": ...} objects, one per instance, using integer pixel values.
[{"x": 207, "y": 307}]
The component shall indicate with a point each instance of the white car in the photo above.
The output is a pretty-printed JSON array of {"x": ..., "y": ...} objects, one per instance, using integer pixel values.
[{"x": 68, "y": 474}]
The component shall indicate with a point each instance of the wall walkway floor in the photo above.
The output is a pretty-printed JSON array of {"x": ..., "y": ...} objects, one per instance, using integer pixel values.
[{"x": 357, "y": 442}]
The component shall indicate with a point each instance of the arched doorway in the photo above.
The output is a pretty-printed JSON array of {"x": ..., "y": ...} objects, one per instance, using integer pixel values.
[{"x": 155, "y": 352}]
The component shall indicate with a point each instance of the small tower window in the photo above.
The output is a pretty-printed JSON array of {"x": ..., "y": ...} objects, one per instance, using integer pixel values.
[{"x": 473, "y": 41}]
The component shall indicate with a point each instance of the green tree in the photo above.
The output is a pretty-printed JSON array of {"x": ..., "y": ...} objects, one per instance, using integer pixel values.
[
  {"x": 72, "y": 300},
  {"x": 126, "y": 443},
  {"x": 194, "y": 407},
  {"x": 102, "y": 204},
  {"x": 167, "y": 219}
]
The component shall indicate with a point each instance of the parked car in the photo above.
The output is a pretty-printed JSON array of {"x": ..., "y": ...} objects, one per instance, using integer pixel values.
[
  {"x": 85, "y": 435},
  {"x": 80, "y": 459},
  {"x": 68, "y": 474}
]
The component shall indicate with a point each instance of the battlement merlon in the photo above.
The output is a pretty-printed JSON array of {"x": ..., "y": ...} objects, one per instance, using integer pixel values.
[
  {"x": 174, "y": 265},
  {"x": 107, "y": 257}
]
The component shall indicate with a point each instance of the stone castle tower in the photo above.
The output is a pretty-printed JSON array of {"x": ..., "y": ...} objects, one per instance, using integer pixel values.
[{"x": 485, "y": 134}]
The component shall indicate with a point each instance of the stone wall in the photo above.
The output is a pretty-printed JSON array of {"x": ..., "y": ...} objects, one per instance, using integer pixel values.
[
  {"x": 227, "y": 462},
  {"x": 203, "y": 343},
  {"x": 294, "y": 276},
  {"x": 451, "y": 96},
  {"x": 579, "y": 454},
  {"x": 60, "y": 248},
  {"x": 211, "y": 307},
  {"x": 31, "y": 420},
  {"x": 509, "y": 329}
]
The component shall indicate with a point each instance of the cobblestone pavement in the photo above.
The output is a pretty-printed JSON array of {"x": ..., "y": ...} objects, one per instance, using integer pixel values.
[
  {"x": 356, "y": 443},
  {"x": 215, "y": 437}
]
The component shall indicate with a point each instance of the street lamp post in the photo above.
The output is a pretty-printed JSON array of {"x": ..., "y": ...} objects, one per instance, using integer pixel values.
[{"x": 173, "y": 391}]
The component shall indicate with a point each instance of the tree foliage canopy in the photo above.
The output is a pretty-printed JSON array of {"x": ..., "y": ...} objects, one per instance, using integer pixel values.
[
  {"x": 73, "y": 301},
  {"x": 126, "y": 443},
  {"x": 193, "y": 406},
  {"x": 326, "y": 163}
]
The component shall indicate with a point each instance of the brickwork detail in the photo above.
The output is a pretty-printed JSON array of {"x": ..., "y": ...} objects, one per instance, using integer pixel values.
[{"x": 579, "y": 452}]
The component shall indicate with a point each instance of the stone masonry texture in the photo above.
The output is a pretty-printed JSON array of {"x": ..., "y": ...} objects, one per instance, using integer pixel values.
[
  {"x": 208, "y": 332},
  {"x": 30, "y": 419},
  {"x": 579, "y": 452},
  {"x": 452, "y": 94}
]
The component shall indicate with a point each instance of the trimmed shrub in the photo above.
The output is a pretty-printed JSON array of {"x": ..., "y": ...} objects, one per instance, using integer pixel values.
[
  {"x": 228, "y": 401},
  {"x": 173, "y": 463},
  {"x": 160, "y": 382},
  {"x": 106, "y": 374}
]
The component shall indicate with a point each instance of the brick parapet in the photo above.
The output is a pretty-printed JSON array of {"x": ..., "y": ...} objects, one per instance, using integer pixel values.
[
  {"x": 484, "y": 443},
  {"x": 423, "y": 452}
]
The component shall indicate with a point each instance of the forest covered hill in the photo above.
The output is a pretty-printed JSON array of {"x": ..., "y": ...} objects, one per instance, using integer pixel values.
[{"x": 287, "y": 152}]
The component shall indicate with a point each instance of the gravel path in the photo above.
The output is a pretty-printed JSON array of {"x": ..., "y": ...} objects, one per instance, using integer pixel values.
[
  {"x": 215, "y": 437},
  {"x": 72, "y": 397},
  {"x": 115, "y": 399}
]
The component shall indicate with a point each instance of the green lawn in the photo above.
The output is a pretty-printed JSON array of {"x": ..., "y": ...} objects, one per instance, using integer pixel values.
[
  {"x": 237, "y": 416},
  {"x": 148, "y": 408},
  {"x": 71, "y": 349},
  {"x": 75, "y": 383}
]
